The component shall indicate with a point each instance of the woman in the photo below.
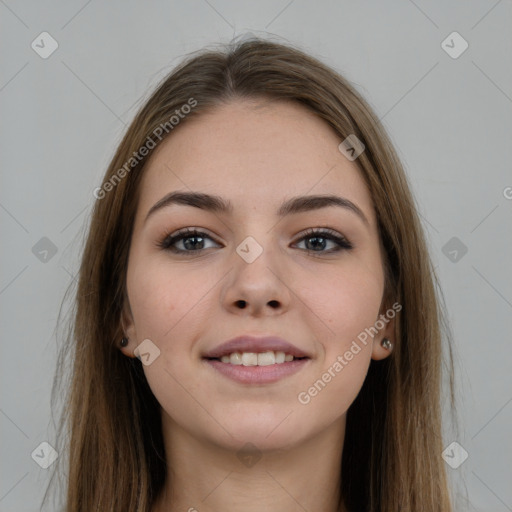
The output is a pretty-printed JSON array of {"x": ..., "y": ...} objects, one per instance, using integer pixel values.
[{"x": 257, "y": 325}]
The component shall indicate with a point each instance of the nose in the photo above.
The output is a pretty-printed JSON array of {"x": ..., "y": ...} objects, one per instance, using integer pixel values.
[{"x": 258, "y": 288}]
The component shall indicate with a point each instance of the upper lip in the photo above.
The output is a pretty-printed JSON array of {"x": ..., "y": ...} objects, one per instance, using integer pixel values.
[{"x": 255, "y": 344}]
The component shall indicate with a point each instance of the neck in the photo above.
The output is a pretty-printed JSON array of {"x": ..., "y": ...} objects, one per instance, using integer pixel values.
[{"x": 204, "y": 477}]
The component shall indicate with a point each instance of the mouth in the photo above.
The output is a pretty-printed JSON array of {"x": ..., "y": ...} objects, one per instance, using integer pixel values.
[
  {"x": 268, "y": 358},
  {"x": 250, "y": 360}
]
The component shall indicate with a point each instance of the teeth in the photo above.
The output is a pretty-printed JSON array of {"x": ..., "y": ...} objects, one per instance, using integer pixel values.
[
  {"x": 249, "y": 359},
  {"x": 235, "y": 358},
  {"x": 280, "y": 357},
  {"x": 266, "y": 358},
  {"x": 254, "y": 359}
]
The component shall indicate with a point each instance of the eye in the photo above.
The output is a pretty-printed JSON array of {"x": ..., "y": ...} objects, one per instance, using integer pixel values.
[
  {"x": 318, "y": 240},
  {"x": 191, "y": 239}
]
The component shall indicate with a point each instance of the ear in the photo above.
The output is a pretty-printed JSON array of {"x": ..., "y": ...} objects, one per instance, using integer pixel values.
[
  {"x": 385, "y": 323},
  {"x": 128, "y": 329}
]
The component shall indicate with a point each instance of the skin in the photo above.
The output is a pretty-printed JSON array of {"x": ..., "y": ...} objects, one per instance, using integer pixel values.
[{"x": 256, "y": 154}]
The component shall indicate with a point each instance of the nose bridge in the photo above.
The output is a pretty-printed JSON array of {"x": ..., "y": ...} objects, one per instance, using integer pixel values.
[
  {"x": 256, "y": 253},
  {"x": 255, "y": 238},
  {"x": 258, "y": 240}
]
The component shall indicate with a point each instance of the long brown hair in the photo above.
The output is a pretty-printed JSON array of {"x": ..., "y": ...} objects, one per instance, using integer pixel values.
[{"x": 113, "y": 436}]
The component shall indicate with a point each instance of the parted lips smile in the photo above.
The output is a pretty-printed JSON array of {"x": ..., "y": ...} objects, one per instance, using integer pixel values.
[{"x": 253, "y": 360}]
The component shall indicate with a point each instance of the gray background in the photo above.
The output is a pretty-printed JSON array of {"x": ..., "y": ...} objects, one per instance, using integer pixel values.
[{"x": 449, "y": 118}]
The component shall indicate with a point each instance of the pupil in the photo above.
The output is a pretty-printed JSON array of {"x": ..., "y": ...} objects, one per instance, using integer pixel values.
[
  {"x": 187, "y": 240},
  {"x": 316, "y": 238}
]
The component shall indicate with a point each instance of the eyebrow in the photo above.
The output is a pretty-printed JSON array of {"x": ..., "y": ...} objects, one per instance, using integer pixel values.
[{"x": 217, "y": 204}]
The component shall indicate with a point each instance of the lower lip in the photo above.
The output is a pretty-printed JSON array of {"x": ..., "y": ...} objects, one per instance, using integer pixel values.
[{"x": 258, "y": 374}]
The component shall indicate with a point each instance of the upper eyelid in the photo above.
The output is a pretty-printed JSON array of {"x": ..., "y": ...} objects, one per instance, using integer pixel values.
[{"x": 194, "y": 231}]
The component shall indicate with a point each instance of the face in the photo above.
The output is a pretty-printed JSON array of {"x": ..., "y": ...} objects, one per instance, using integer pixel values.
[{"x": 312, "y": 276}]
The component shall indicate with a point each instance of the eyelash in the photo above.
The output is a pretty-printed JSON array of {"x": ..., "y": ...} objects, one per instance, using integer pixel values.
[{"x": 169, "y": 240}]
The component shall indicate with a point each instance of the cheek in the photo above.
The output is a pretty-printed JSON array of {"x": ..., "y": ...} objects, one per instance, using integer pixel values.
[
  {"x": 160, "y": 298},
  {"x": 348, "y": 301},
  {"x": 168, "y": 308},
  {"x": 348, "y": 305},
  {"x": 346, "y": 298}
]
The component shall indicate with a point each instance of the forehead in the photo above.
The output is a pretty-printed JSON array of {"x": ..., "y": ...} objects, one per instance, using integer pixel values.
[{"x": 254, "y": 153}]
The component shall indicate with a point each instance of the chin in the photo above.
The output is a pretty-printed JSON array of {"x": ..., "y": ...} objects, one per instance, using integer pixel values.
[{"x": 273, "y": 429}]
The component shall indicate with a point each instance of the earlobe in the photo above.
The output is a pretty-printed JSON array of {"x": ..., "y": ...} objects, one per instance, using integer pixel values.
[
  {"x": 382, "y": 349},
  {"x": 384, "y": 341}
]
